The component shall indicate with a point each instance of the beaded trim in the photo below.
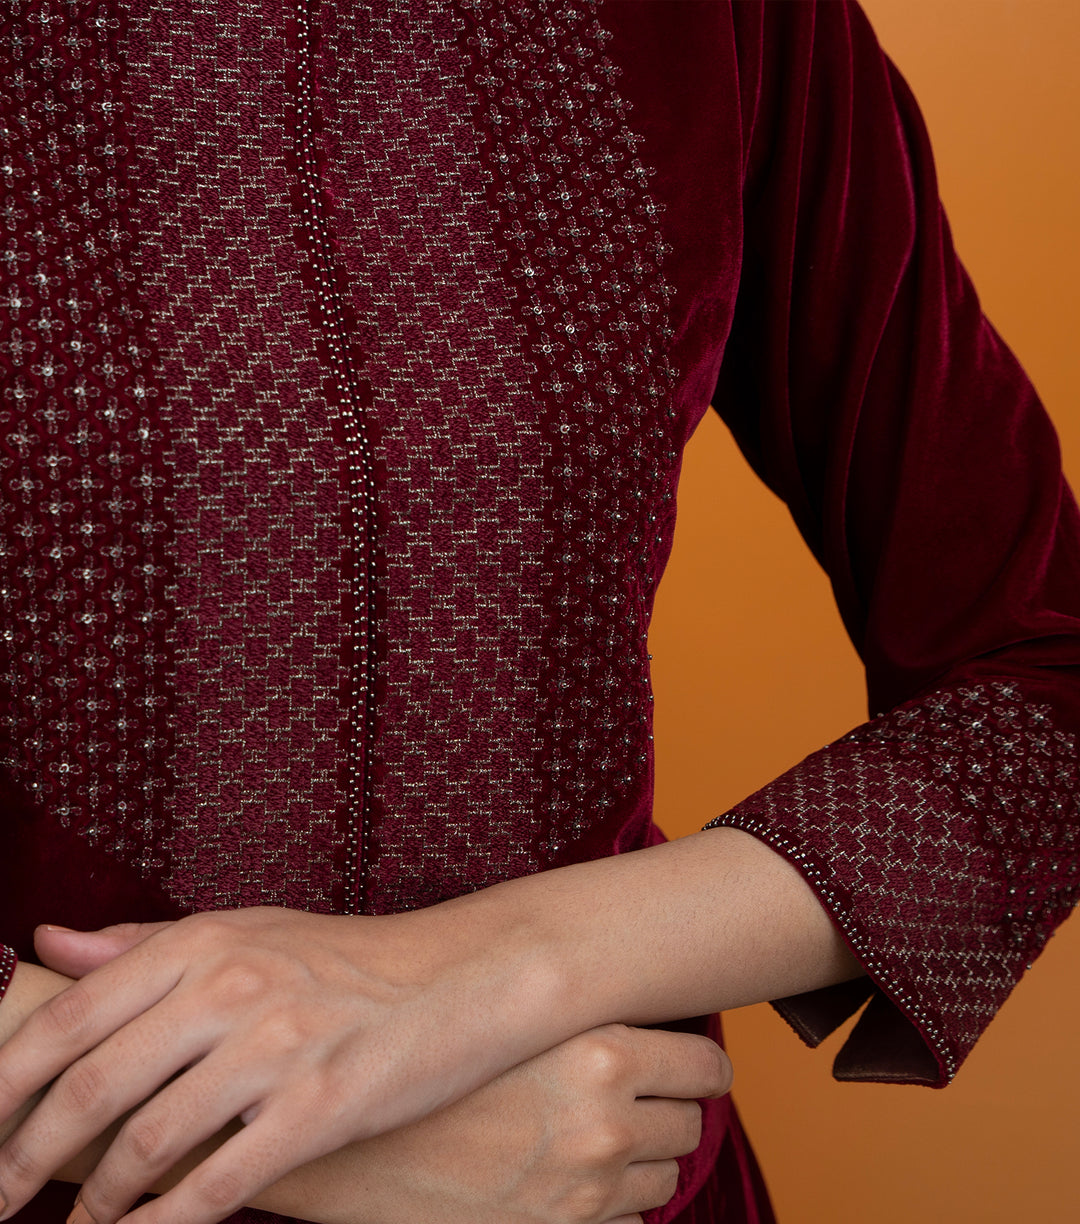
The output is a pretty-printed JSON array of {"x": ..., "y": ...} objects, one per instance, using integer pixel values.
[
  {"x": 253, "y": 464},
  {"x": 863, "y": 946},
  {"x": 362, "y": 490},
  {"x": 460, "y": 454}
]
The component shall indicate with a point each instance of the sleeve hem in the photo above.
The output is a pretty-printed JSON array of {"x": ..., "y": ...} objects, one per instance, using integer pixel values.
[
  {"x": 918, "y": 1053},
  {"x": 815, "y": 1015}
]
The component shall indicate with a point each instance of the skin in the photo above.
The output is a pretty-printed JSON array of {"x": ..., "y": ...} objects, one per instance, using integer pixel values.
[
  {"x": 320, "y": 1031},
  {"x": 588, "y": 1129}
]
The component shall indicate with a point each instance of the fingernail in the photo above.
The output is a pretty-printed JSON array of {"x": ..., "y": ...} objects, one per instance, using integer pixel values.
[
  {"x": 48, "y": 926},
  {"x": 79, "y": 1214}
]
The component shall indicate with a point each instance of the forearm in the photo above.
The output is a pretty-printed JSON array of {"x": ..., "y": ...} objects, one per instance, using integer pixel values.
[
  {"x": 711, "y": 922},
  {"x": 429, "y": 1006}
]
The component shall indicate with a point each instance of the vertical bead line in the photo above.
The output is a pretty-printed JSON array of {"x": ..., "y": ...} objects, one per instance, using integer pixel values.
[{"x": 362, "y": 476}]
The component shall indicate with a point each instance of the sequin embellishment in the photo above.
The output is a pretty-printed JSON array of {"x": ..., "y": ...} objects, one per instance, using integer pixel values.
[
  {"x": 337, "y": 331},
  {"x": 514, "y": 323},
  {"x": 585, "y": 238},
  {"x": 459, "y": 454},
  {"x": 943, "y": 837},
  {"x": 80, "y": 512}
]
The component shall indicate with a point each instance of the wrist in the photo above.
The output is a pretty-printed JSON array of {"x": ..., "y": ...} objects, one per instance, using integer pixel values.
[
  {"x": 522, "y": 944},
  {"x": 30, "y": 986},
  {"x": 497, "y": 955}
]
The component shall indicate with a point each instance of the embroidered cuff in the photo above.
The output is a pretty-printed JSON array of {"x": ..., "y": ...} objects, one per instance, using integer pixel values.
[{"x": 942, "y": 838}]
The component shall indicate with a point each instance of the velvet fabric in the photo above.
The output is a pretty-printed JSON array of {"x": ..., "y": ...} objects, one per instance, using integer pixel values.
[{"x": 349, "y": 351}]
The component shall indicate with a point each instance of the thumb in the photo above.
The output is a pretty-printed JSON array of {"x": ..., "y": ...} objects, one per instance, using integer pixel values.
[{"x": 76, "y": 953}]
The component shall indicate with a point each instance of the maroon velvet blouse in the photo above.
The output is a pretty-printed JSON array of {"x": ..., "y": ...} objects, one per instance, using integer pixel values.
[{"x": 349, "y": 351}]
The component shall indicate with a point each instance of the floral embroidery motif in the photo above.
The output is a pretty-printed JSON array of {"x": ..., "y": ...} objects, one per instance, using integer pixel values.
[
  {"x": 81, "y": 530},
  {"x": 585, "y": 236}
]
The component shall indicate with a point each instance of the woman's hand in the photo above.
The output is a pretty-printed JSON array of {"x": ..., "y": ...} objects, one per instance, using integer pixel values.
[
  {"x": 30, "y": 986},
  {"x": 585, "y": 1133},
  {"x": 318, "y": 1030},
  {"x": 314, "y": 1030},
  {"x": 588, "y": 1131}
]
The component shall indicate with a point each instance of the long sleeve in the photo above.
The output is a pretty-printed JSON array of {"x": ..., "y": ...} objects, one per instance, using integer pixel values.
[{"x": 866, "y": 387}]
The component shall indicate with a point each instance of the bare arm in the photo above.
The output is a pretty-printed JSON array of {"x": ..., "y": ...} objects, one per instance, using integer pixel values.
[
  {"x": 321, "y": 1030},
  {"x": 598, "y": 1120}
]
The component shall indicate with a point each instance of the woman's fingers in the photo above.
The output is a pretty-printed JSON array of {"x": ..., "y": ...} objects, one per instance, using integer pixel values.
[
  {"x": 199, "y": 1104},
  {"x": 645, "y": 1185},
  {"x": 77, "y": 953},
  {"x": 87, "y": 1097},
  {"x": 665, "y": 1128},
  {"x": 308, "y": 1029},
  {"x": 73, "y": 1022},
  {"x": 268, "y": 1013},
  {"x": 232, "y": 1176},
  {"x": 682, "y": 1065}
]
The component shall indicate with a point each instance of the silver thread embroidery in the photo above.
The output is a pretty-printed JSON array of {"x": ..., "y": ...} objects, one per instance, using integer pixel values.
[
  {"x": 933, "y": 809},
  {"x": 588, "y": 260},
  {"x": 81, "y": 536},
  {"x": 460, "y": 456},
  {"x": 262, "y": 627}
]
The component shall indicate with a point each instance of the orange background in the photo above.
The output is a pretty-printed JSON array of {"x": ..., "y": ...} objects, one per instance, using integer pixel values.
[{"x": 752, "y": 670}]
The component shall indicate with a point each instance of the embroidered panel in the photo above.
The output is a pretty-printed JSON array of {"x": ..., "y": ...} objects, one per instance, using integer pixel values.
[
  {"x": 516, "y": 322},
  {"x": 81, "y": 529},
  {"x": 254, "y": 462},
  {"x": 586, "y": 251},
  {"x": 943, "y": 837},
  {"x": 514, "y": 325},
  {"x": 460, "y": 454}
]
